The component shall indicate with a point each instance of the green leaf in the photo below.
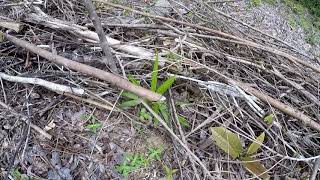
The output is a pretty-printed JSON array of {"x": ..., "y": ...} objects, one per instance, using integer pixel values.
[
  {"x": 130, "y": 95},
  {"x": 255, "y": 167},
  {"x": 183, "y": 121},
  {"x": 169, "y": 172},
  {"x": 164, "y": 111},
  {"x": 133, "y": 80},
  {"x": 155, "y": 153},
  {"x": 94, "y": 127},
  {"x": 130, "y": 103},
  {"x": 166, "y": 85},
  {"x": 268, "y": 119},
  {"x": 154, "y": 74},
  {"x": 144, "y": 115},
  {"x": 227, "y": 141},
  {"x": 256, "y": 144}
]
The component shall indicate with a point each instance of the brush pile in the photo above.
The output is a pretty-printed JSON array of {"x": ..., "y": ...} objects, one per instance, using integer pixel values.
[{"x": 228, "y": 74}]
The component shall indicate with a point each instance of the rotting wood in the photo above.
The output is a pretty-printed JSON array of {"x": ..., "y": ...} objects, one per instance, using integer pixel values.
[{"x": 89, "y": 70}]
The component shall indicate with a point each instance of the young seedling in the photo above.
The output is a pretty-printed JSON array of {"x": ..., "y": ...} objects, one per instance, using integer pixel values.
[
  {"x": 94, "y": 123},
  {"x": 133, "y": 162},
  {"x": 230, "y": 143},
  {"x": 16, "y": 175},
  {"x": 160, "y": 108}
]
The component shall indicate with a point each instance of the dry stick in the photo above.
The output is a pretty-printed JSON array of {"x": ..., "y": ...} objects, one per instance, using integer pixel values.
[
  {"x": 183, "y": 137},
  {"x": 90, "y": 101},
  {"x": 89, "y": 70},
  {"x": 238, "y": 39},
  {"x": 107, "y": 58},
  {"x": 47, "y": 84},
  {"x": 298, "y": 87},
  {"x": 164, "y": 124},
  {"x": 276, "y": 72},
  {"x": 306, "y": 120}
]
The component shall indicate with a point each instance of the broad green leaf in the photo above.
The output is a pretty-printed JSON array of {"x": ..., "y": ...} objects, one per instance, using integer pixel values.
[
  {"x": 166, "y": 85},
  {"x": 130, "y": 103},
  {"x": 133, "y": 80},
  {"x": 256, "y": 144},
  {"x": 130, "y": 95},
  {"x": 268, "y": 119},
  {"x": 228, "y": 141},
  {"x": 255, "y": 167},
  {"x": 154, "y": 74},
  {"x": 183, "y": 121}
]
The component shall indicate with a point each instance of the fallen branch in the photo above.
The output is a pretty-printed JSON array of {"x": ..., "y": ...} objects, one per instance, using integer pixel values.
[
  {"x": 49, "y": 85},
  {"x": 41, "y": 18},
  {"x": 306, "y": 120},
  {"x": 89, "y": 70}
]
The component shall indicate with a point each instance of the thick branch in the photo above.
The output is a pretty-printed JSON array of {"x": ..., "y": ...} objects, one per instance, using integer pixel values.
[
  {"x": 89, "y": 70},
  {"x": 306, "y": 120}
]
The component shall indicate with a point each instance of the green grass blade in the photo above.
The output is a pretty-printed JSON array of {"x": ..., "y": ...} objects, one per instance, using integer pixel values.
[
  {"x": 166, "y": 85},
  {"x": 133, "y": 80},
  {"x": 154, "y": 74}
]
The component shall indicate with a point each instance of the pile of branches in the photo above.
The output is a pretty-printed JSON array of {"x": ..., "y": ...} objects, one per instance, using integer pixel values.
[{"x": 228, "y": 73}]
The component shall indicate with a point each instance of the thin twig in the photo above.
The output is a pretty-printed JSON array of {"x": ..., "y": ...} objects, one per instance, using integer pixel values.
[
  {"x": 164, "y": 124},
  {"x": 49, "y": 85}
]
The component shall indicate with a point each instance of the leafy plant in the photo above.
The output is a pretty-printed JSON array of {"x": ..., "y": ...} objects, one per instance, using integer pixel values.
[
  {"x": 230, "y": 143},
  {"x": 160, "y": 108},
  {"x": 94, "y": 124},
  {"x": 255, "y": 2},
  {"x": 169, "y": 172},
  {"x": 133, "y": 162},
  {"x": 268, "y": 119},
  {"x": 16, "y": 175}
]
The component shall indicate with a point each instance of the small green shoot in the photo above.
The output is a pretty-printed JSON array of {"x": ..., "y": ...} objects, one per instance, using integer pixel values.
[
  {"x": 94, "y": 127},
  {"x": 169, "y": 172},
  {"x": 268, "y": 119},
  {"x": 133, "y": 162},
  {"x": 16, "y": 175},
  {"x": 183, "y": 121},
  {"x": 155, "y": 153},
  {"x": 154, "y": 74},
  {"x": 94, "y": 123},
  {"x": 160, "y": 108},
  {"x": 144, "y": 115}
]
